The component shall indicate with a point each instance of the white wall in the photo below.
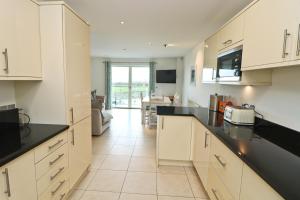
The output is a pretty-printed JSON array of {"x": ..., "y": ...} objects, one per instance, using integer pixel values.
[
  {"x": 278, "y": 103},
  {"x": 7, "y": 93},
  {"x": 98, "y": 73}
]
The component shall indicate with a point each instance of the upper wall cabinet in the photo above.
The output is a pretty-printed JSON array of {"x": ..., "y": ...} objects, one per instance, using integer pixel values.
[
  {"x": 271, "y": 34},
  {"x": 231, "y": 33},
  {"x": 20, "y": 57}
]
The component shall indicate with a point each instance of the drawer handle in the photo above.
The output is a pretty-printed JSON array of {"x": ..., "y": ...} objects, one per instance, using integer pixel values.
[
  {"x": 58, "y": 187},
  {"x": 205, "y": 141},
  {"x": 56, "y": 159},
  {"x": 62, "y": 196},
  {"x": 54, "y": 145},
  {"x": 220, "y": 161},
  {"x": 215, "y": 193},
  {"x": 8, "y": 192},
  {"x": 57, "y": 173},
  {"x": 227, "y": 42}
]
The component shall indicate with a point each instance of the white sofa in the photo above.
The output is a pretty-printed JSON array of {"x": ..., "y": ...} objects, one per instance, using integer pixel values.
[{"x": 100, "y": 121}]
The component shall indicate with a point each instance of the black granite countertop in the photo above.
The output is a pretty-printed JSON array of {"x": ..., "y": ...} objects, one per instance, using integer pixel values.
[
  {"x": 32, "y": 136},
  {"x": 271, "y": 150}
]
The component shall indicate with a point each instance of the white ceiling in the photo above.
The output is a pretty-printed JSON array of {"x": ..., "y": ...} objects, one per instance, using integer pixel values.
[{"x": 181, "y": 22}]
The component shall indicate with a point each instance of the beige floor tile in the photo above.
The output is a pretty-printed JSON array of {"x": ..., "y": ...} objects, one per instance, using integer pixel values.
[
  {"x": 170, "y": 169},
  {"x": 191, "y": 171},
  {"x": 97, "y": 161},
  {"x": 144, "y": 151},
  {"x": 142, "y": 164},
  {"x": 116, "y": 162},
  {"x": 197, "y": 187},
  {"x": 173, "y": 185},
  {"x": 121, "y": 150},
  {"x": 95, "y": 195},
  {"x": 107, "y": 181},
  {"x": 126, "y": 141},
  {"x": 140, "y": 183},
  {"x": 174, "y": 198},
  {"x": 86, "y": 180},
  {"x": 76, "y": 195},
  {"x": 102, "y": 149},
  {"x": 125, "y": 196},
  {"x": 145, "y": 142}
]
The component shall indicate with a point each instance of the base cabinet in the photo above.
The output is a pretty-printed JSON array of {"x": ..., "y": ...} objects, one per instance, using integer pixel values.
[
  {"x": 80, "y": 149},
  {"x": 253, "y": 187},
  {"x": 18, "y": 179},
  {"x": 201, "y": 148},
  {"x": 174, "y": 138}
]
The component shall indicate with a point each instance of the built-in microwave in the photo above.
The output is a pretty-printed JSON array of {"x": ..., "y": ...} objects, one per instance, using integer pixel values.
[{"x": 229, "y": 65}]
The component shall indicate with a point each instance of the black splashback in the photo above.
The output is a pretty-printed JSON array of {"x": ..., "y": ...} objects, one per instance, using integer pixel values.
[{"x": 10, "y": 139}]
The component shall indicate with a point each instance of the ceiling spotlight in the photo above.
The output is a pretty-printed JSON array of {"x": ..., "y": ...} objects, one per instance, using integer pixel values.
[
  {"x": 122, "y": 22},
  {"x": 149, "y": 43},
  {"x": 168, "y": 45},
  {"x": 124, "y": 49}
]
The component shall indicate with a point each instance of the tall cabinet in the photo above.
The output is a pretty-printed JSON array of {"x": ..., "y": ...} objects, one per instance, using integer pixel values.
[{"x": 63, "y": 97}]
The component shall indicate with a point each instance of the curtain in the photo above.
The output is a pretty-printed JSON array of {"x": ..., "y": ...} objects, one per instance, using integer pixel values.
[
  {"x": 152, "y": 78},
  {"x": 107, "y": 84}
]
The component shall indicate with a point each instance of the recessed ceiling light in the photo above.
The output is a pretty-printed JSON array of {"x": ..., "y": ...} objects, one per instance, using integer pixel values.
[
  {"x": 124, "y": 49},
  {"x": 122, "y": 22},
  {"x": 149, "y": 43}
]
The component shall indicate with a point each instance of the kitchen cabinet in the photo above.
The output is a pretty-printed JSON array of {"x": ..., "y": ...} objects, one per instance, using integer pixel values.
[
  {"x": 227, "y": 166},
  {"x": 201, "y": 147},
  {"x": 77, "y": 59},
  {"x": 80, "y": 149},
  {"x": 174, "y": 138},
  {"x": 20, "y": 57},
  {"x": 270, "y": 35},
  {"x": 231, "y": 33},
  {"x": 210, "y": 59},
  {"x": 253, "y": 187},
  {"x": 18, "y": 179}
]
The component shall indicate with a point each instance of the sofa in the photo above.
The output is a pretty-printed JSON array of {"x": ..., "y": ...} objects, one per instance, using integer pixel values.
[{"x": 100, "y": 118}]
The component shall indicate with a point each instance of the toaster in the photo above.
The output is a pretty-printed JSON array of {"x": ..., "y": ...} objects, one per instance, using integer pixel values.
[{"x": 239, "y": 115}]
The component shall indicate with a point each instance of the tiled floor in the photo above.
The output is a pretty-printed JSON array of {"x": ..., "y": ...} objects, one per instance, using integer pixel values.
[{"x": 124, "y": 167}]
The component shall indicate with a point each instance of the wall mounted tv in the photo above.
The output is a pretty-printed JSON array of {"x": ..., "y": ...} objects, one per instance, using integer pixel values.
[{"x": 165, "y": 76}]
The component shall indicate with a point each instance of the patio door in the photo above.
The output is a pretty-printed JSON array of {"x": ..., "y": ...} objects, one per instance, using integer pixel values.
[{"x": 128, "y": 84}]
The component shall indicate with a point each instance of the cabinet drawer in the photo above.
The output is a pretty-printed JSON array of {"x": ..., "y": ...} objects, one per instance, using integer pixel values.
[
  {"x": 227, "y": 165},
  {"x": 58, "y": 190},
  {"x": 215, "y": 188},
  {"x": 51, "y": 161},
  {"x": 53, "y": 175},
  {"x": 50, "y": 146}
]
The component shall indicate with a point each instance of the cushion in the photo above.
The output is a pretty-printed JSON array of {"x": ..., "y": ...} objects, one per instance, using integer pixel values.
[{"x": 106, "y": 117}]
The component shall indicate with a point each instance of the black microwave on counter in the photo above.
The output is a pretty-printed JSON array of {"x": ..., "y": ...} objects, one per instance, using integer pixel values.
[{"x": 10, "y": 135}]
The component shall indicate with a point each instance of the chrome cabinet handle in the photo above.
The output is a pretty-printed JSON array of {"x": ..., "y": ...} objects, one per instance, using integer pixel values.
[
  {"x": 220, "y": 161},
  {"x": 73, "y": 137},
  {"x": 227, "y": 42},
  {"x": 62, "y": 196},
  {"x": 58, "y": 187},
  {"x": 54, "y": 145},
  {"x": 298, "y": 42},
  {"x": 205, "y": 140},
  {"x": 8, "y": 192},
  {"x": 56, "y": 159},
  {"x": 72, "y": 115},
  {"x": 285, "y": 36},
  {"x": 5, "y": 53},
  {"x": 215, "y": 193},
  {"x": 162, "y": 123},
  {"x": 57, "y": 173}
]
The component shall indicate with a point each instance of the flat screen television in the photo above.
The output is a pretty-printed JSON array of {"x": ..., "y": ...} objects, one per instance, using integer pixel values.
[{"x": 165, "y": 76}]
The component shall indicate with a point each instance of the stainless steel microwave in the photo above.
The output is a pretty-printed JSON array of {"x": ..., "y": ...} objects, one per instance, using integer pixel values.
[{"x": 229, "y": 65}]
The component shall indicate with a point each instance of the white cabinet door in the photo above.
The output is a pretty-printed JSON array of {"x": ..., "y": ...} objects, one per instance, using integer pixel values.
[
  {"x": 232, "y": 32},
  {"x": 211, "y": 51},
  {"x": 28, "y": 42},
  {"x": 265, "y": 39},
  {"x": 80, "y": 149},
  {"x": 19, "y": 178},
  {"x": 77, "y": 66},
  {"x": 7, "y": 36},
  {"x": 253, "y": 187},
  {"x": 201, "y": 146},
  {"x": 175, "y": 134}
]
